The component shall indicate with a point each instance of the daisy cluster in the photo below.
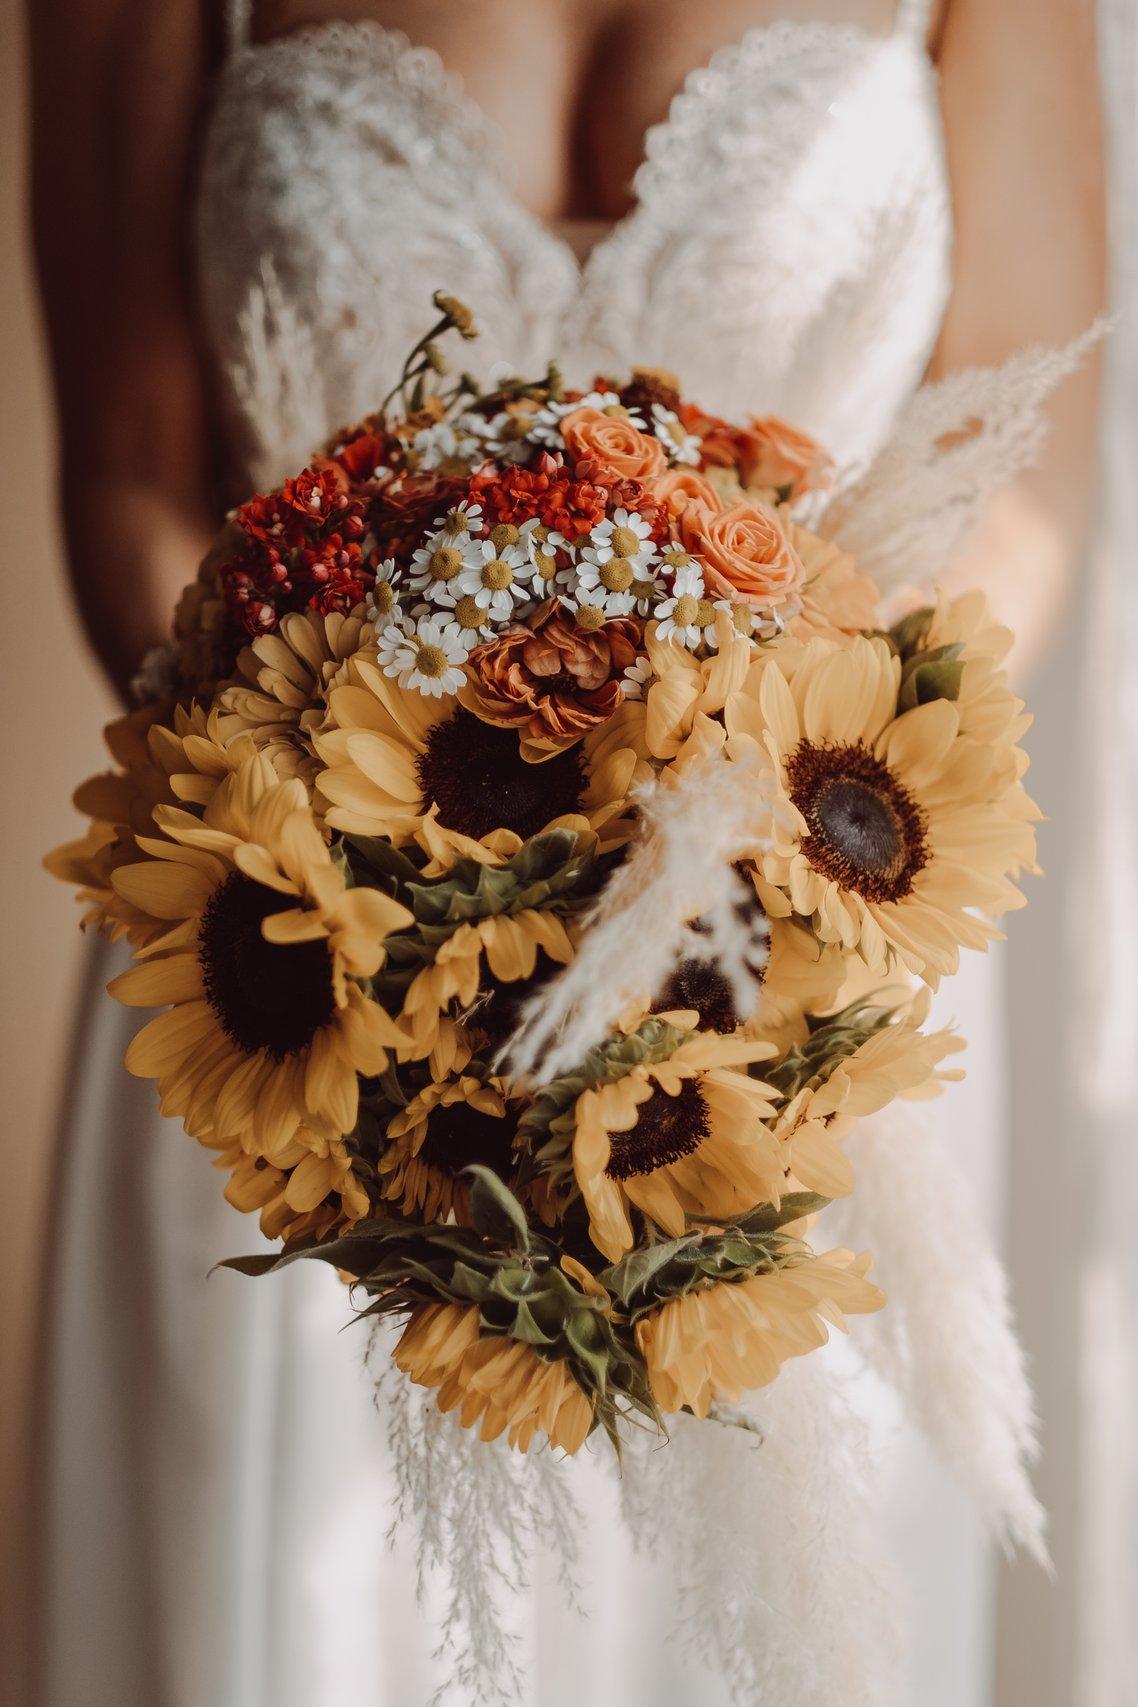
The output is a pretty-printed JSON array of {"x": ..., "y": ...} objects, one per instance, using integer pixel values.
[{"x": 394, "y": 756}]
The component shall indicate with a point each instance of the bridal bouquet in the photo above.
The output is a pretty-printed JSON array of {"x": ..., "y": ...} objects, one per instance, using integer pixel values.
[{"x": 540, "y": 845}]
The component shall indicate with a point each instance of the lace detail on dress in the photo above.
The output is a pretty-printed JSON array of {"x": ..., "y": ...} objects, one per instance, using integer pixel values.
[{"x": 788, "y": 250}]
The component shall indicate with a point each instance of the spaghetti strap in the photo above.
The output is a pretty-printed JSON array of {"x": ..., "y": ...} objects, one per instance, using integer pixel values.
[
  {"x": 238, "y": 24},
  {"x": 914, "y": 19}
]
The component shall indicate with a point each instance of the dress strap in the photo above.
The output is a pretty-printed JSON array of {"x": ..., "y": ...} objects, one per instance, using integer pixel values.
[
  {"x": 238, "y": 24},
  {"x": 914, "y": 19}
]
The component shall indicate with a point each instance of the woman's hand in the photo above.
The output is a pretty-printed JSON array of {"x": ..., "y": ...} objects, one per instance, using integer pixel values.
[{"x": 117, "y": 87}]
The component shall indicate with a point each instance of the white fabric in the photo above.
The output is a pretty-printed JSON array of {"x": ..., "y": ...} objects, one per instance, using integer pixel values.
[{"x": 217, "y": 1477}]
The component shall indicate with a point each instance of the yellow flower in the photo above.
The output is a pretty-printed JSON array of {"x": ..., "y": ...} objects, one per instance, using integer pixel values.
[
  {"x": 510, "y": 943},
  {"x": 280, "y": 699},
  {"x": 900, "y": 1060},
  {"x": 897, "y": 835},
  {"x": 308, "y": 1186},
  {"x": 448, "y": 1125},
  {"x": 800, "y": 975},
  {"x": 403, "y": 765},
  {"x": 500, "y": 1383},
  {"x": 674, "y": 1138},
  {"x": 260, "y": 962},
  {"x": 835, "y": 599},
  {"x": 720, "y": 1341},
  {"x": 154, "y": 769},
  {"x": 678, "y": 718}
]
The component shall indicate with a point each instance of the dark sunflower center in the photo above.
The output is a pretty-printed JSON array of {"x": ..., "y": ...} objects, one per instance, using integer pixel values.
[
  {"x": 866, "y": 831},
  {"x": 700, "y": 984},
  {"x": 462, "y": 1134},
  {"x": 475, "y": 774},
  {"x": 667, "y": 1130},
  {"x": 266, "y": 995}
]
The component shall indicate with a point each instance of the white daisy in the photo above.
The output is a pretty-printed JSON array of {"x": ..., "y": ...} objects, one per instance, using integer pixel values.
[
  {"x": 624, "y": 534},
  {"x": 440, "y": 560},
  {"x": 546, "y": 427},
  {"x": 683, "y": 617},
  {"x": 462, "y": 612},
  {"x": 587, "y": 614},
  {"x": 606, "y": 585},
  {"x": 505, "y": 436},
  {"x": 383, "y": 600},
  {"x": 680, "y": 445},
  {"x": 547, "y": 550},
  {"x": 427, "y": 656},
  {"x": 463, "y": 518},
  {"x": 638, "y": 678},
  {"x": 444, "y": 443},
  {"x": 500, "y": 579}
]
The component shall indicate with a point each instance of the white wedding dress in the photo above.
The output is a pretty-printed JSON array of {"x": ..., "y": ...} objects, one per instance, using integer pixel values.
[{"x": 216, "y": 1486}]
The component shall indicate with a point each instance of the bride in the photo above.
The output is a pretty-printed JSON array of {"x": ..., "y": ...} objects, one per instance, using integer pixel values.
[{"x": 803, "y": 206}]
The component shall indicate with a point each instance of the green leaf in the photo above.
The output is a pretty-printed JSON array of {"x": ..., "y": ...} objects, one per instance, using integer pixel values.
[
  {"x": 633, "y": 1273},
  {"x": 495, "y": 1210},
  {"x": 793, "y": 1207}
]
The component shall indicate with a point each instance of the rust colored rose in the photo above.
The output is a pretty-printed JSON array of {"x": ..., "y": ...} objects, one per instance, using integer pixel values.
[
  {"x": 552, "y": 681},
  {"x": 745, "y": 553},
  {"x": 613, "y": 443},
  {"x": 773, "y": 453},
  {"x": 678, "y": 489}
]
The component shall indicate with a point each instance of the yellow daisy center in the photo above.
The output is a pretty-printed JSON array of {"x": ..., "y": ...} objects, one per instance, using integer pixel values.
[
  {"x": 455, "y": 522},
  {"x": 469, "y": 613},
  {"x": 667, "y": 1129},
  {"x": 706, "y": 613},
  {"x": 590, "y": 617},
  {"x": 742, "y": 618},
  {"x": 431, "y": 661},
  {"x": 616, "y": 575},
  {"x": 445, "y": 562},
  {"x": 686, "y": 612},
  {"x": 677, "y": 559},
  {"x": 503, "y": 535},
  {"x": 383, "y": 598},
  {"x": 497, "y": 575},
  {"x": 625, "y": 542}
]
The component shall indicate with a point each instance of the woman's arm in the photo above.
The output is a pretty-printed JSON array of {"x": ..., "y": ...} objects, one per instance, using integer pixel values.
[
  {"x": 116, "y": 91},
  {"x": 1020, "y": 94}
]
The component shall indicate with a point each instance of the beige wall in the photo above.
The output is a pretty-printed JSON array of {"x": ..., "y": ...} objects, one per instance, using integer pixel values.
[{"x": 52, "y": 705}]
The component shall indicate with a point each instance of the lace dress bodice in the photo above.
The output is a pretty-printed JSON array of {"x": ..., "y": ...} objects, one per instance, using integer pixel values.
[{"x": 788, "y": 250}]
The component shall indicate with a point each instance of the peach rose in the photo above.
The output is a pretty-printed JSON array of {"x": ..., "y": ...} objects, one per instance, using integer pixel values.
[
  {"x": 613, "y": 443},
  {"x": 773, "y": 453},
  {"x": 552, "y": 681},
  {"x": 679, "y": 488},
  {"x": 745, "y": 554}
]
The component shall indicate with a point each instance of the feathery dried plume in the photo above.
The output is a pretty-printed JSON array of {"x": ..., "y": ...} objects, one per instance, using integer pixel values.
[
  {"x": 679, "y": 870},
  {"x": 947, "y": 1342},
  {"x": 754, "y": 1524},
  {"x": 277, "y": 382},
  {"x": 958, "y": 442}
]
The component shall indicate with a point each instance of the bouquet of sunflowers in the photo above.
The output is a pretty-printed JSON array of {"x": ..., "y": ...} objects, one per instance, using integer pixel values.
[{"x": 539, "y": 849}]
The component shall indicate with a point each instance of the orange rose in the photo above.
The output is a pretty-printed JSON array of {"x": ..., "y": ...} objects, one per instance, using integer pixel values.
[
  {"x": 552, "y": 681},
  {"x": 613, "y": 443},
  {"x": 678, "y": 489},
  {"x": 745, "y": 554},
  {"x": 773, "y": 453}
]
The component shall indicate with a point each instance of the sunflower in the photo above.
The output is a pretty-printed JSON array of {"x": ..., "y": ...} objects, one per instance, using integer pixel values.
[
  {"x": 279, "y": 699},
  {"x": 897, "y": 1059},
  {"x": 498, "y": 1382},
  {"x": 396, "y": 759},
  {"x": 673, "y": 1138},
  {"x": 720, "y": 1341},
  {"x": 260, "y": 962},
  {"x": 898, "y": 835},
  {"x": 509, "y": 943},
  {"x": 448, "y": 1125},
  {"x": 309, "y": 1185},
  {"x": 674, "y": 715},
  {"x": 800, "y": 976},
  {"x": 158, "y": 765}
]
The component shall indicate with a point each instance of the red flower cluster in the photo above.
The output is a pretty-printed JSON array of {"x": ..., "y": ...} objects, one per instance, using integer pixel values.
[
  {"x": 301, "y": 549},
  {"x": 569, "y": 503}
]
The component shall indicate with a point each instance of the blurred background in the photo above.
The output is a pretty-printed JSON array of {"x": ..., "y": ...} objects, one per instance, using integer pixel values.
[{"x": 52, "y": 719}]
